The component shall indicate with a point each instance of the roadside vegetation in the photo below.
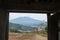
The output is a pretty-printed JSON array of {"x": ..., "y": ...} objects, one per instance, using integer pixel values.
[{"x": 43, "y": 32}]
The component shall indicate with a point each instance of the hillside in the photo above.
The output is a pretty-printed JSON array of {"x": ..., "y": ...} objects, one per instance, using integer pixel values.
[
  {"x": 26, "y": 24},
  {"x": 20, "y": 27}
]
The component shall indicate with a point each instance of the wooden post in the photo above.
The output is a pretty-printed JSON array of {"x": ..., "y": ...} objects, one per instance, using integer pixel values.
[
  {"x": 52, "y": 27},
  {"x": 3, "y": 24}
]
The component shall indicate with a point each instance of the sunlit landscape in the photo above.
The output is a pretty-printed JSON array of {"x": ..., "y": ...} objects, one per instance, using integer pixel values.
[{"x": 28, "y": 26}]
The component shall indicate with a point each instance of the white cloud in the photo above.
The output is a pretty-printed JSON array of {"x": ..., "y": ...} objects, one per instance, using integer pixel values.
[{"x": 32, "y": 15}]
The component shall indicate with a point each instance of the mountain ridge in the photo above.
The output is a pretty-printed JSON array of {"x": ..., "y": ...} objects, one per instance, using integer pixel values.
[{"x": 27, "y": 21}]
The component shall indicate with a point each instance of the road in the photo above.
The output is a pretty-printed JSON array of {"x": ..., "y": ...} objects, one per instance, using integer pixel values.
[
  {"x": 14, "y": 36},
  {"x": 38, "y": 37}
]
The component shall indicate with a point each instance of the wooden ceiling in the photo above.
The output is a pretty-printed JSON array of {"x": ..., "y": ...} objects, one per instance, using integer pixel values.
[{"x": 38, "y": 5}]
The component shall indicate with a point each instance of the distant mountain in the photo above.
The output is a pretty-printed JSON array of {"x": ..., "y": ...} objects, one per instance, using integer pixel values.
[
  {"x": 19, "y": 27},
  {"x": 27, "y": 21}
]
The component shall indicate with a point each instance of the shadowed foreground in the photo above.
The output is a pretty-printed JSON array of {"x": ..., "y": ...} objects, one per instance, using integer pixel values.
[{"x": 16, "y": 36}]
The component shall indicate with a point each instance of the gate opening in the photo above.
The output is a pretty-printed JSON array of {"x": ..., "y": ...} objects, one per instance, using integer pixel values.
[{"x": 28, "y": 26}]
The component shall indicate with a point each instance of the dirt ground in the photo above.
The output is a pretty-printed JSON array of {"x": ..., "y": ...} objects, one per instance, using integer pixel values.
[{"x": 17, "y": 36}]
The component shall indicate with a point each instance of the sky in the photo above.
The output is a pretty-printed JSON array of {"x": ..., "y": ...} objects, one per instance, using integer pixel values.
[{"x": 36, "y": 16}]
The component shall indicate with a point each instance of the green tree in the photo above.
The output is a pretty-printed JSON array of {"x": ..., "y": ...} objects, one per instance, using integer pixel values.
[
  {"x": 12, "y": 29},
  {"x": 46, "y": 29}
]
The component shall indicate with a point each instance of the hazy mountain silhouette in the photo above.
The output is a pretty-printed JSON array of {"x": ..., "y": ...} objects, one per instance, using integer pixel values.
[{"x": 27, "y": 21}]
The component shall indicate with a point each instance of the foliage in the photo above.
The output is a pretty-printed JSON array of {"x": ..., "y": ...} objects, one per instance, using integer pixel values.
[
  {"x": 46, "y": 29},
  {"x": 43, "y": 32},
  {"x": 20, "y": 27}
]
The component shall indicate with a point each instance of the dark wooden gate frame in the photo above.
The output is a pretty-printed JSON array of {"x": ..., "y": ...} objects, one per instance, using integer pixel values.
[{"x": 52, "y": 24}]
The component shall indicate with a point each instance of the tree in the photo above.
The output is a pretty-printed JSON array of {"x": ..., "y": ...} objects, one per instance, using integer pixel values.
[
  {"x": 46, "y": 29},
  {"x": 12, "y": 29}
]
